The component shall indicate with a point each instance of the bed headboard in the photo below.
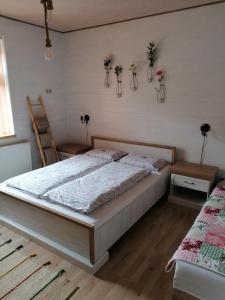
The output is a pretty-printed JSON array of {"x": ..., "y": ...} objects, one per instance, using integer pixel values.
[{"x": 160, "y": 151}]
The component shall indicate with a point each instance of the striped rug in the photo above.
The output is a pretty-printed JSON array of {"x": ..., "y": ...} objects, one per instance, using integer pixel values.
[{"x": 28, "y": 271}]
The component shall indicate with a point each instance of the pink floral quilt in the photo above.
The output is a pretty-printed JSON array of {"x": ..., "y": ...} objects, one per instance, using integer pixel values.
[{"x": 204, "y": 244}]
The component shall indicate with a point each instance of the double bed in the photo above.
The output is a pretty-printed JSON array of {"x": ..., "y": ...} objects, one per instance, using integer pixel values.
[{"x": 86, "y": 238}]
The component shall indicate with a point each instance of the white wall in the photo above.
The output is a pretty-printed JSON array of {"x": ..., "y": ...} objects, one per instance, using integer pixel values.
[
  {"x": 29, "y": 74},
  {"x": 193, "y": 55}
]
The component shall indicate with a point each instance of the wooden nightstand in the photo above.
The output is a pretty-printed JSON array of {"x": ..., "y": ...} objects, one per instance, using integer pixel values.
[
  {"x": 68, "y": 150},
  {"x": 191, "y": 183}
]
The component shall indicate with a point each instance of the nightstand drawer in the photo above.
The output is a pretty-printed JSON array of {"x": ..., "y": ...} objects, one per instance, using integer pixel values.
[{"x": 190, "y": 182}]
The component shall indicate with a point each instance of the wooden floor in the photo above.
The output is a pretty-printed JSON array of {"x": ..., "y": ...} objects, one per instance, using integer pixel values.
[{"x": 136, "y": 266}]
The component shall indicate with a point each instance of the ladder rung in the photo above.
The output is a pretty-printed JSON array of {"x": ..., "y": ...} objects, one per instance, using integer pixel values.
[
  {"x": 43, "y": 134},
  {"x": 35, "y": 104},
  {"x": 47, "y": 147}
]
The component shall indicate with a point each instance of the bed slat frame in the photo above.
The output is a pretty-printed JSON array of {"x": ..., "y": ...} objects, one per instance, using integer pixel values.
[{"x": 114, "y": 140}]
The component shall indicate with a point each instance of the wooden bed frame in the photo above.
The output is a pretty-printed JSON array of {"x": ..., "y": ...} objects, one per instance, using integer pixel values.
[{"x": 86, "y": 244}]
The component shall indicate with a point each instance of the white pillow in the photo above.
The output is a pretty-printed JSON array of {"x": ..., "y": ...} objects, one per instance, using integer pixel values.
[
  {"x": 107, "y": 154},
  {"x": 142, "y": 161}
]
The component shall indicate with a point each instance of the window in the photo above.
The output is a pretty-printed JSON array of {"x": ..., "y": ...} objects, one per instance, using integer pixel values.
[{"x": 6, "y": 119}]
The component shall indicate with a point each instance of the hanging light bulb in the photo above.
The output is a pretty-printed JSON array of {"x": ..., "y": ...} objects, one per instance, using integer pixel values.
[
  {"x": 49, "y": 54},
  {"x": 48, "y": 6}
]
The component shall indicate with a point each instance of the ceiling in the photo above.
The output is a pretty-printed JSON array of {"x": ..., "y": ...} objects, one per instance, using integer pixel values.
[{"x": 76, "y": 14}]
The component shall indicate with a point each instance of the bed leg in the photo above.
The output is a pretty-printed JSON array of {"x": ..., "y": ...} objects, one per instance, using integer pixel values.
[
  {"x": 179, "y": 295},
  {"x": 92, "y": 245}
]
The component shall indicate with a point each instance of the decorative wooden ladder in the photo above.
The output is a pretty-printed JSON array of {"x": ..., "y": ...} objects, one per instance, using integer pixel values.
[{"x": 41, "y": 127}]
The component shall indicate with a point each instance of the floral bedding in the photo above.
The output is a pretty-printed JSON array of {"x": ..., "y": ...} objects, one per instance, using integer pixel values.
[
  {"x": 108, "y": 154},
  {"x": 204, "y": 245},
  {"x": 39, "y": 181},
  {"x": 152, "y": 164},
  {"x": 95, "y": 189}
]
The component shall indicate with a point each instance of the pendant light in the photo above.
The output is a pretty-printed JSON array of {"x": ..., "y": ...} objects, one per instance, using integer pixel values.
[{"x": 48, "y": 6}]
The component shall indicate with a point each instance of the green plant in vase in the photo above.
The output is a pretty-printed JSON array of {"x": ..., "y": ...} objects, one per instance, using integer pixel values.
[{"x": 152, "y": 55}]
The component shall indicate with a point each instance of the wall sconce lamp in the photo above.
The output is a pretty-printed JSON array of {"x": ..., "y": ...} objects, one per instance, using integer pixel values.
[
  {"x": 84, "y": 119},
  {"x": 204, "y": 129}
]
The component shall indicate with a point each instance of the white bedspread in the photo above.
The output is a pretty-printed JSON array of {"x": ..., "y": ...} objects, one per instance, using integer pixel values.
[
  {"x": 39, "y": 181},
  {"x": 93, "y": 190}
]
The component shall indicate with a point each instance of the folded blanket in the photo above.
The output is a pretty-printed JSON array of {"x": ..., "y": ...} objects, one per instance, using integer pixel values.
[
  {"x": 204, "y": 245},
  {"x": 93, "y": 190},
  {"x": 39, "y": 181}
]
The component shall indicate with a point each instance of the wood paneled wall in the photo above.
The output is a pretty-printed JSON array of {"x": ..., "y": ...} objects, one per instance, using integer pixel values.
[{"x": 192, "y": 54}]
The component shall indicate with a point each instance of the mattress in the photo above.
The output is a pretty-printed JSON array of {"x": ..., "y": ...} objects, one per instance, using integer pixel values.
[
  {"x": 154, "y": 184},
  {"x": 40, "y": 181},
  {"x": 199, "y": 282},
  {"x": 89, "y": 192}
]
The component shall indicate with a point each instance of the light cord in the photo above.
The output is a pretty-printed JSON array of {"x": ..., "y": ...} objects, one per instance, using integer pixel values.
[
  {"x": 203, "y": 150},
  {"x": 86, "y": 133}
]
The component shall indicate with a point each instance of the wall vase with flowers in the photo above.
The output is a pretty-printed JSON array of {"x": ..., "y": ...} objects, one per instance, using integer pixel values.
[
  {"x": 152, "y": 55},
  {"x": 108, "y": 68},
  {"x": 133, "y": 81},
  {"x": 161, "y": 90},
  {"x": 118, "y": 72}
]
